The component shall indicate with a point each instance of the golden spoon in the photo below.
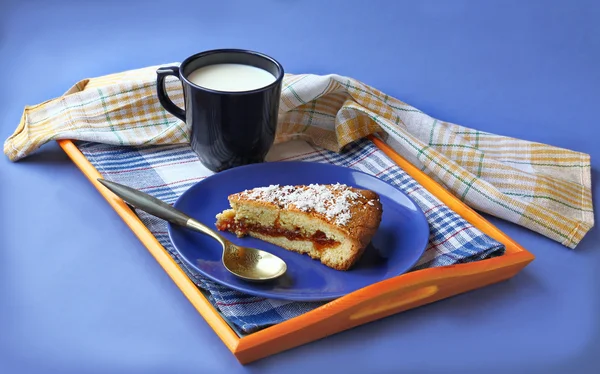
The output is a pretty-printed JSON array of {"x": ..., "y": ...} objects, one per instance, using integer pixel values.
[{"x": 250, "y": 264}]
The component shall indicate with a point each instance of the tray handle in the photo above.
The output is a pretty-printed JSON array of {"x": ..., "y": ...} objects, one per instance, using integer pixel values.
[
  {"x": 391, "y": 296},
  {"x": 394, "y": 301}
]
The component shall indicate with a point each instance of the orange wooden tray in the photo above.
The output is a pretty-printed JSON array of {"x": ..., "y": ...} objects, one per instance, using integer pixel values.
[{"x": 379, "y": 300}]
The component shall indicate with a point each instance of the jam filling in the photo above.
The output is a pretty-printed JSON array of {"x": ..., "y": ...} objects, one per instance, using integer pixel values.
[{"x": 319, "y": 238}]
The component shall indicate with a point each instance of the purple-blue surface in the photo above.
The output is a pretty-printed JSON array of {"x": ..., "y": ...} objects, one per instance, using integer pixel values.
[
  {"x": 79, "y": 292},
  {"x": 396, "y": 247}
]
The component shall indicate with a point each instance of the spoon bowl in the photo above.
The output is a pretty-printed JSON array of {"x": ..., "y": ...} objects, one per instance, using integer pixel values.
[{"x": 250, "y": 264}]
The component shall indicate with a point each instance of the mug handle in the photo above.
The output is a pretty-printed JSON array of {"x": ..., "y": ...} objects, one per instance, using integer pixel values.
[{"x": 163, "y": 97}]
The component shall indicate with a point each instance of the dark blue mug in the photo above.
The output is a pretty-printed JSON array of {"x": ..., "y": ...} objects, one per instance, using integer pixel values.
[{"x": 229, "y": 126}]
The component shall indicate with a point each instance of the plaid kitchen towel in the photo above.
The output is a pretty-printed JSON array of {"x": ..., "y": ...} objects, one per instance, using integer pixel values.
[
  {"x": 167, "y": 171},
  {"x": 544, "y": 188}
]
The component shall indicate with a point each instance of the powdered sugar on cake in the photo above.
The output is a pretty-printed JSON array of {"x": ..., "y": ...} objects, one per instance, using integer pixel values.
[{"x": 332, "y": 201}]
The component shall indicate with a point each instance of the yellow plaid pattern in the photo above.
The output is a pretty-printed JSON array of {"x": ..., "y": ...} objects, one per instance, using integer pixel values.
[{"x": 541, "y": 187}]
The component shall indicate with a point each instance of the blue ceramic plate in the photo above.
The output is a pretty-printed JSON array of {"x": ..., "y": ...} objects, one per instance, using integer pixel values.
[{"x": 395, "y": 248}]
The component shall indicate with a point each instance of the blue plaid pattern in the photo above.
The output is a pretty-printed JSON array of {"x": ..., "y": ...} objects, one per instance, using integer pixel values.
[{"x": 167, "y": 171}]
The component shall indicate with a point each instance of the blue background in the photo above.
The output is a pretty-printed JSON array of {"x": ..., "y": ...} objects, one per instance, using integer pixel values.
[{"x": 80, "y": 294}]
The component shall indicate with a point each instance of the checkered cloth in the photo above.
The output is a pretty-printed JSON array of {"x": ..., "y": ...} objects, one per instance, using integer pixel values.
[
  {"x": 167, "y": 171},
  {"x": 544, "y": 188}
]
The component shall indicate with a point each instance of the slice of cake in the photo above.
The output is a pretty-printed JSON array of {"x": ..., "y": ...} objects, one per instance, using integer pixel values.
[{"x": 333, "y": 223}]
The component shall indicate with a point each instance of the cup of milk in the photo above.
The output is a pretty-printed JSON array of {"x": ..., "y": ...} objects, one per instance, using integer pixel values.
[{"x": 231, "y": 99}]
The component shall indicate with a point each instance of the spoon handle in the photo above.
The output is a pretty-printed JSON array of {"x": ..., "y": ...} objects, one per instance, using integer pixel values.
[
  {"x": 158, "y": 208},
  {"x": 147, "y": 203}
]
